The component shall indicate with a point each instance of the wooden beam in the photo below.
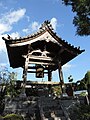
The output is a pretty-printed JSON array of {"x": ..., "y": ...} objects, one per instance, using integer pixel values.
[
  {"x": 42, "y": 63},
  {"x": 35, "y": 72},
  {"x": 40, "y": 60},
  {"x": 38, "y": 57},
  {"x": 43, "y": 82},
  {"x": 34, "y": 67},
  {"x": 31, "y": 67}
]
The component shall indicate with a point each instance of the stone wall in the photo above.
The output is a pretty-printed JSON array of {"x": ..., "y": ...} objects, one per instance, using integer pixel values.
[{"x": 27, "y": 107}]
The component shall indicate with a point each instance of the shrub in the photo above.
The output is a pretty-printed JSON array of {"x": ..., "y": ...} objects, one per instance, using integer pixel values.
[
  {"x": 13, "y": 117},
  {"x": 80, "y": 112},
  {"x": 2, "y": 106}
]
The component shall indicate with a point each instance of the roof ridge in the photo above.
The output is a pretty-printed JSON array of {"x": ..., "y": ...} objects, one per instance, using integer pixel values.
[{"x": 44, "y": 26}]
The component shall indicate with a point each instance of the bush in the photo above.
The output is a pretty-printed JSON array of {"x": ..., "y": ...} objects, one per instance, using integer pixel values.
[
  {"x": 84, "y": 112},
  {"x": 2, "y": 106},
  {"x": 56, "y": 90},
  {"x": 1, "y": 118},
  {"x": 80, "y": 112},
  {"x": 13, "y": 117}
]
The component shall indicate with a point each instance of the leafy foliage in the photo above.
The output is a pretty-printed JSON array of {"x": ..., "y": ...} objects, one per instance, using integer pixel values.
[
  {"x": 82, "y": 18},
  {"x": 82, "y": 85},
  {"x": 10, "y": 88},
  {"x": 4, "y": 75},
  {"x": 8, "y": 80},
  {"x": 56, "y": 90},
  {"x": 87, "y": 77},
  {"x": 82, "y": 112}
]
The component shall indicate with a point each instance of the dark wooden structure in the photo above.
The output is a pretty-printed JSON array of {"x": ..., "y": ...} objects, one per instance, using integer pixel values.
[{"x": 44, "y": 49}]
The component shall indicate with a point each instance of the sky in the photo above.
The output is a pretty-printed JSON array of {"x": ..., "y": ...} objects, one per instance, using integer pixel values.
[{"x": 19, "y": 18}]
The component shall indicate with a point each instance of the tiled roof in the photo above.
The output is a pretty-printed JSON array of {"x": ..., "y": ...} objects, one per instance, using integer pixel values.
[
  {"x": 46, "y": 26},
  {"x": 45, "y": 36}
]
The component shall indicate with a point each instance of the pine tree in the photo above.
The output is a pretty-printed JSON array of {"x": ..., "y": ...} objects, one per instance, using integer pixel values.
[{"x": 82, "y": 18}]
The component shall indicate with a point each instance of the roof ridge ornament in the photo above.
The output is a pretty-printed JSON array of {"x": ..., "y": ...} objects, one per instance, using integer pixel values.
[
  {"x": 46, "y": 24},
  {"x": 8, "y": 37}
]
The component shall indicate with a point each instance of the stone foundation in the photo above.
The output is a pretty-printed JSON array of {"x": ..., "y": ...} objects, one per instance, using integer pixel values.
[{"x": 40, "y": 108}]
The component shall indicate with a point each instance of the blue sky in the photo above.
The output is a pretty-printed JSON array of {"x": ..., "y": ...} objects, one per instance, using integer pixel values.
[{"x": 23, "y": 17}]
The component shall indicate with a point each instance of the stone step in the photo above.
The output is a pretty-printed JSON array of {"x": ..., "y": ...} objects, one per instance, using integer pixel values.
[
  {"x": 58, "y": 113},
  {"x": 52, "y": 109},
  {"x": 55, "y": 118}
]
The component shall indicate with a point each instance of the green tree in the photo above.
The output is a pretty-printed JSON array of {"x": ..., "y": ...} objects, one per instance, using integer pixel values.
[
  {"x": 81, "y": 84},
  {"x": 10, "y": 87},
  {"x": 87, "y": 81},
  {"x": 82, "y": 18},
  {"x": 7, "y": 80},
  {"x": 4, "y": 76},
  {"x": 56, "y": 90},
  {"x": 3, "y": 81}
]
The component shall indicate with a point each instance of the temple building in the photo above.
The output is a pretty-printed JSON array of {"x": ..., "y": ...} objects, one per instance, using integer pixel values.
[{"x": 44, "y": 50}]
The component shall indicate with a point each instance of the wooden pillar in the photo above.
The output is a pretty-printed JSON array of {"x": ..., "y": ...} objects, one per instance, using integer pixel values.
[
  {"x": 25, "y": 73},
  {"x": 49, "y": 79},
  {"x": 26, "y": 67},
  {"x": 49, "y": 75},
  {"x": 60, "y": 75}
]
